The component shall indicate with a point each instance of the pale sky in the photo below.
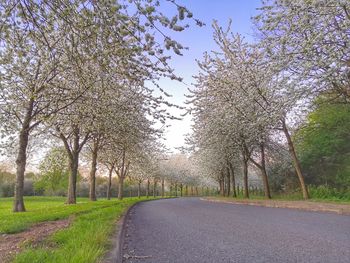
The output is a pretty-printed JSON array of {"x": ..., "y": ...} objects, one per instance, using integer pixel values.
[{"x": 199, "y": 40}]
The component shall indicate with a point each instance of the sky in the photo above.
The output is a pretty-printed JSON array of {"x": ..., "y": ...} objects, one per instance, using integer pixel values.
[{"x": 199, "y": 40}]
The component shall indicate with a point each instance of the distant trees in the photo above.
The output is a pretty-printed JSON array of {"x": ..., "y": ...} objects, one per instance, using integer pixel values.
[
  {"x": 7, "y": 182},
  {"x": 182, "y": 175},
  {"x": 54, "y": 173}
]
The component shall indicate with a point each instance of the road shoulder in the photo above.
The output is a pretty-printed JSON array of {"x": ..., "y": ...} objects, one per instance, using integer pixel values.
[{"x": 115, "y": 254}]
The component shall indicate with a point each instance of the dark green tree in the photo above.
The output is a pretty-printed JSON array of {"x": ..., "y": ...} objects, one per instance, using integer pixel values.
[{"x": 324, "y": 144}]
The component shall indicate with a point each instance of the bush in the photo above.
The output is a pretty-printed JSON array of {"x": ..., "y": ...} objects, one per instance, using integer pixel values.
[
  {"x": 326, "y": 192},
  {"x": 28, "y": 188},
  {"x": 7, "y": 189}
]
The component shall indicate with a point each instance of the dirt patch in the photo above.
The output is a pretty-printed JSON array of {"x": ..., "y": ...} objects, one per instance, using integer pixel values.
[
  {"x": 342, "y": 209},
  {"x": 11, "y": 244}
]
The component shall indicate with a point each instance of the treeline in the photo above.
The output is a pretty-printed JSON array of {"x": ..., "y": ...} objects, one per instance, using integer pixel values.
[
  {"x": 169, "y": 177},
  {"x": 278, "y": 108},
  {"x": 38, "y": 185}
]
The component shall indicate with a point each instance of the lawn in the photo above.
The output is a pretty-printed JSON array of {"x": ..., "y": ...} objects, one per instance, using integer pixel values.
[{"x": 85, "y": 240}]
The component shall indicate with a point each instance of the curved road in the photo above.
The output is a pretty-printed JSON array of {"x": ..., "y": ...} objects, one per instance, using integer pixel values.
[{"x": 190, "y": 230}]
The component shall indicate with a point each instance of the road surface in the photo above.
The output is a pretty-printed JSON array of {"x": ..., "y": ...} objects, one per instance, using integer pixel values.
[{"x": 190, "y": 230}]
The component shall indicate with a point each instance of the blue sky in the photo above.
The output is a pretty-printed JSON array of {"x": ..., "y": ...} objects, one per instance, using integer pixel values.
[{"x": 199, "y": 40}]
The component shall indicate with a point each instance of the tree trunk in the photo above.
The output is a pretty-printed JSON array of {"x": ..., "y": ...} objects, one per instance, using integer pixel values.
[
  {"x": 139, "y": 190},
  {"x": 232, "y": 171},
  {"x": 147, "y": 189},
  {"x": 72, "y": 184},
  {"x": 21, "y": 161},
  {"x": 109, "y": 186},
  {"x": 154, "y": 188},
  {"x": 224, "y": 183},
  {"x": 221, "y": 184},
  {"x": 181, "y": 187},
  {"x": 175, "y": 189},
  {"x": 196, "y": 190},
  {"x": 264, "y": 173},
  {"x": 73, "y": 164},
  {"x": 162, "y": 187},
  {"x": 18, "y": 205},
  {"x": 295, "y": 159},
  {"x": 245, "y": 178},
  {"x": 186, "y": 190},
  {"x": 92, "y": 192},
  {"x": 262, "y": 167},
  {"x": 228, "y": 191},
  {"x": 120, "y": 187}
]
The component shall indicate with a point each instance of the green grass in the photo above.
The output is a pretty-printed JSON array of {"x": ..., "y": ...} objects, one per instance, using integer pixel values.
[
  {"x": 323, "y": 192},
  {"x": 253, "y": 196},
  {"x": 87, "y": 238},
  {"x": 317, "y": 194},
  {"x": 287, "y": 197}
]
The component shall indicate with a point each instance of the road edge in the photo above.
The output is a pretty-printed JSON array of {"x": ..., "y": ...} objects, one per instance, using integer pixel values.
[
  {"x": 115, "y": 254},
  {"x": 339, "y": 211}
]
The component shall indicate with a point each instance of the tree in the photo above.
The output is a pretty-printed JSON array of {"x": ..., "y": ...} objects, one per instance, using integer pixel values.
[
  {"x": 308, "y": 40},
  {"x": 231, "y": 106},
  {"x": 241, "y": 100},
  {"x": 7, "y": 181},
  {"x": 31, "y": 59},
  {"x": 323, "y": 143},
  {"x": 53, "y": 178}
]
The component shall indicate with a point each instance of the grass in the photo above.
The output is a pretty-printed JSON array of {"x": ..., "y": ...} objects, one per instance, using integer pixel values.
[
  {"x": 87, "y": 238},
  {"x": 319, "y": 193},
  {"x": 287, "y": 197}
]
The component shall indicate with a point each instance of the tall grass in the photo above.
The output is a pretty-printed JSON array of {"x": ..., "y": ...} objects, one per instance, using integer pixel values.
[
  {"x": 324, "y": 192},
  {"x": 317, "y": 193}
]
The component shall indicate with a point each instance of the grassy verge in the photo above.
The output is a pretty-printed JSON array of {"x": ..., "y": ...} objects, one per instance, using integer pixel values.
[
  {"x": 315, "y": 197},
  {"x": 87, "y": 238},
  {"x": 286, "y": 198},
  {"x": 291, "y": 197}
]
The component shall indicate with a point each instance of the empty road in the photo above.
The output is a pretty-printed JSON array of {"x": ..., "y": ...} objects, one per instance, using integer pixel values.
[{"x": 190, "y": 230}]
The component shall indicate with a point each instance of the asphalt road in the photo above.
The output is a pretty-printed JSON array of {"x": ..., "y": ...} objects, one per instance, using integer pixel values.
[{"x": 190, "y": 230}]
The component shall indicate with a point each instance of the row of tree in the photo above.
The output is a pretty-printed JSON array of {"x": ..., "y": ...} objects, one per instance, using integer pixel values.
[
  {"x": 249, "y": 97},
  {"x": 78, "y": 71},
  {"x": 172, "y": 176}
]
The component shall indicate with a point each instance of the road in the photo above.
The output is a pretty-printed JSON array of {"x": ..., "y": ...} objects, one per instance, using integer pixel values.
[{"x": 190, "y": 230}]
